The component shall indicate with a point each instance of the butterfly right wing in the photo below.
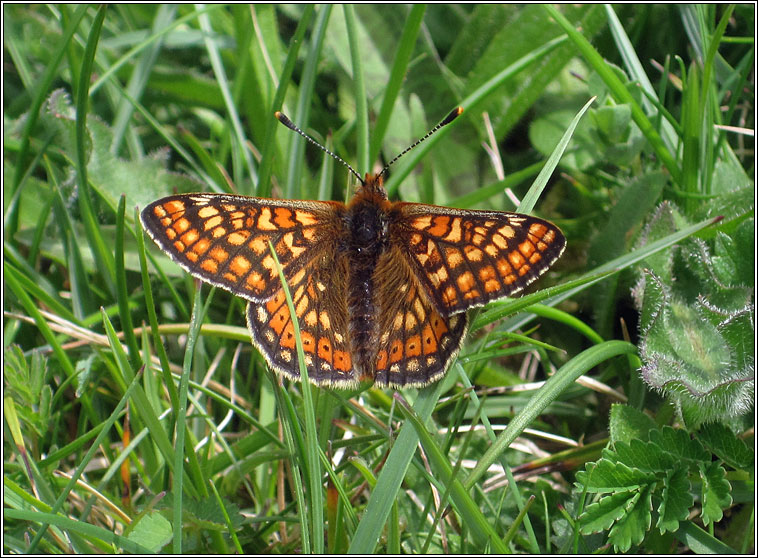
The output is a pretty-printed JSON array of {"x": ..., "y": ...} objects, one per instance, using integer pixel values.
[
  {"x": 467, "y": 258},
  {"x": 415, "y": 342}
]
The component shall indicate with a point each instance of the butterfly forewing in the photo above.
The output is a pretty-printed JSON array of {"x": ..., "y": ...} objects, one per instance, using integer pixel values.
[
  {"x": 467, "y": 258},
  {"x": 224, "y": 240}
]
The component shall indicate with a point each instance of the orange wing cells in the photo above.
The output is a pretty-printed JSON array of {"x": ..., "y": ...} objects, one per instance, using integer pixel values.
[{"x": 380, "y": 288}]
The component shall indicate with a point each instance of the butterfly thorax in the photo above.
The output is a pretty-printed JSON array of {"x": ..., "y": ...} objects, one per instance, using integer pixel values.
[{"x": 367, "y": 221}]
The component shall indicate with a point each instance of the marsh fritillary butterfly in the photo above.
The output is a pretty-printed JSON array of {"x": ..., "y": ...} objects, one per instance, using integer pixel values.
[{"x": 380, "y": 288}]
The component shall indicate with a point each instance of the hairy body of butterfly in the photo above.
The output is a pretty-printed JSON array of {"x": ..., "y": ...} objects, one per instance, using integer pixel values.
[{"x": 366, "y": 242}]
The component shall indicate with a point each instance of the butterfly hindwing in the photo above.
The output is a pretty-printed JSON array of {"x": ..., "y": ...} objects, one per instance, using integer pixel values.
[
  {"x": 415, "y": 342},
  {"x": 319, "y": 298}
]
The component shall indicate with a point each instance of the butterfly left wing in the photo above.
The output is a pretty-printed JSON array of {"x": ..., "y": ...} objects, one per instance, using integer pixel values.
[
  {"x": 467, "y": 258},
  {"x": 224, "y": 240},
  {"x": 319, "y": 298}
]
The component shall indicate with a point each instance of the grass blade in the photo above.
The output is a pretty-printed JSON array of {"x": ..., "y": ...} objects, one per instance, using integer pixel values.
[
  {"x": 409, "y": 162},
  {"x": 85, "y": 461},
  {"x": 263, "y": 187},
  {"x": 102, "y": 255},
  {"x": 361, "y": 105},
  {"x": 554, "y": 386},
  {"x": 391, "y": 477},
  {"x": 312, "y": 461},
  {"x": 618, "y": 89},
  {"x": 397, "y": 75},
  {"x": 469, "y": 510},
  {"x": 40, "y": 91},
  {"x": 295, "y": 157},
  {"x": 218, "y": 68},
  {"x": 530, "y": 200}
]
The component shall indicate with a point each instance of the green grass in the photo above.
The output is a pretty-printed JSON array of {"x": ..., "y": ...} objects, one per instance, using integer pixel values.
[{"x": 139, "y": 417}]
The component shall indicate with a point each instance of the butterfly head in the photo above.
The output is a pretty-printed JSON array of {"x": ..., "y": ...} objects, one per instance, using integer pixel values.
[{"x": 373, "y": 186}]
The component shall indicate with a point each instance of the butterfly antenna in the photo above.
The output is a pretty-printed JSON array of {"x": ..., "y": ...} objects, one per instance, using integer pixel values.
[
  {"x": 456, "y": 112},
  {"x": 287, "y": 122}
]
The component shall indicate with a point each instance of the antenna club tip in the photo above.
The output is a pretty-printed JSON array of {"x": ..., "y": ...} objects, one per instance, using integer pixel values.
[
  {"x": 281, "y": 117},
  {"x": 455, "y": 113}
]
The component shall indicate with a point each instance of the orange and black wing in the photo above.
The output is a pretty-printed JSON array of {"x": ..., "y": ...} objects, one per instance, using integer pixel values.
[
  {"x": 416, "y": 343},
  {"x": 467, "y": 258},
  {"x": 320, "y": 301},
  {"x": 224, "y": 240}
]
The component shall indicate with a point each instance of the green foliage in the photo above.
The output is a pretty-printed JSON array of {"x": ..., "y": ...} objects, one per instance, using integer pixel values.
[
  {"x": 652, "y": 479},
  {"x": 153, "y": 531},
  {"x": 25, "y": 384},
  {"x": 130, "y": 429},
  {"x": 696, "y": 322}
]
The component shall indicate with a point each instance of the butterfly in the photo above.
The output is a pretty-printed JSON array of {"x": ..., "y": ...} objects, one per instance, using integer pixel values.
[{"x": 380, "y": 288}]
